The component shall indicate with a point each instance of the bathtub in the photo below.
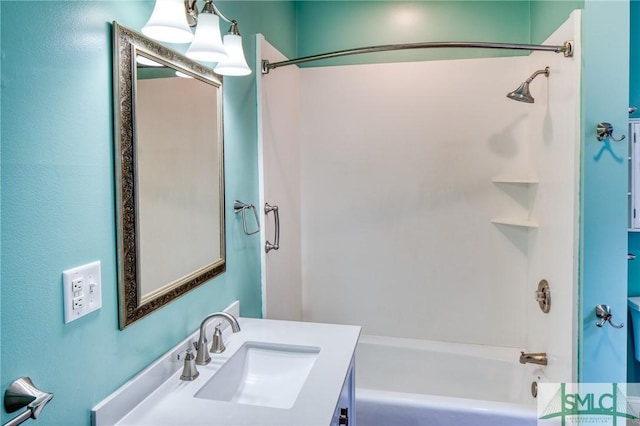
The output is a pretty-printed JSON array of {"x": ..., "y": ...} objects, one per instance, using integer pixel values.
[{"x": 406, "y": 382}]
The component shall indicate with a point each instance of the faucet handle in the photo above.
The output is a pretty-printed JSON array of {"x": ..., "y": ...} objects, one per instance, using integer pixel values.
[
  {"x": 217, "y": 345},
  {"x": 189, "y": 371}
]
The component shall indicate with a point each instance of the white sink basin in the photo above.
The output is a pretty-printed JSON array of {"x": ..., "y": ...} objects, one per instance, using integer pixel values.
[{"x": 264, "y": 374}]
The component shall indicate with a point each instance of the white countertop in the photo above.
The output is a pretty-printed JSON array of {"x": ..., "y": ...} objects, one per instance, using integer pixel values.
[{"x": 157, "y": 396}]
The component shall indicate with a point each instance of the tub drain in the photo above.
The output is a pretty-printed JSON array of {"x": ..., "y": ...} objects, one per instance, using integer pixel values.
[{"x": 534, "y": 389}]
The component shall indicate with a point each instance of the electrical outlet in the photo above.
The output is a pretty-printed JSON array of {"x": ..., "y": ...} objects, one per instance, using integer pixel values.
[
  {"x": 77, "y": 303},
  {"x": 76, "y": 285},
  {"x": 82, "y": 291}
]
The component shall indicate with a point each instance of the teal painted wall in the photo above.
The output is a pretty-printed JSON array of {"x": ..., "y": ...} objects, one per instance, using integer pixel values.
[
  {"x": 603, "y": 224},
  {"x": 548, "y": 15},
  {"x": 325, "y": 26},
  {"x": 57, "y": 197}
]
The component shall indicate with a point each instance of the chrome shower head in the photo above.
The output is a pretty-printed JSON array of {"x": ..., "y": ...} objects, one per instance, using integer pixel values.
[{"x": 522, "y": 93}]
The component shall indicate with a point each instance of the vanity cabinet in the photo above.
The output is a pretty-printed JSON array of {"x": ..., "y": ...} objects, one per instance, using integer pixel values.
[{"x": 345, "y": 414}]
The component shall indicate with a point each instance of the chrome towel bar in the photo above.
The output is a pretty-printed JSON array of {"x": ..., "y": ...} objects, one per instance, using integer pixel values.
[{"x": 23, "y": 393}]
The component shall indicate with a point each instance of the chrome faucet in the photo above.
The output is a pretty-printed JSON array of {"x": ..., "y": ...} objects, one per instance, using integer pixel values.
[
  {"x": 537, "y": 358},
  {"x": 202, "y": 356}
]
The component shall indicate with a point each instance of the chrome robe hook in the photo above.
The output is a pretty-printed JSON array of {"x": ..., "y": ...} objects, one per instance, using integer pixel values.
[
  {"x": 604, "y": 313},
  {"x": 605, "y": 130}
]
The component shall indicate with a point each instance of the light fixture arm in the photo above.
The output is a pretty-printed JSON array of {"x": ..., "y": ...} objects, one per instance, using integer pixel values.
[
  {"x": 209, "y": 7},
  {"x": 220, "y": 14},
  {"x": 234, "y": 28},
  {"x": 192, "y": 12}
]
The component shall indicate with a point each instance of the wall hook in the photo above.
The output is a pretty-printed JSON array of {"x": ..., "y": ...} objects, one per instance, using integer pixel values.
[
  {"x": 605, "y": 130},
  {"x": 604, "y": 313}
]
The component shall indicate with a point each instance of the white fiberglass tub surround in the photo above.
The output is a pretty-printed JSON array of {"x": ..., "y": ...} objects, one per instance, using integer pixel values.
[{"x": 417, "y": 382}]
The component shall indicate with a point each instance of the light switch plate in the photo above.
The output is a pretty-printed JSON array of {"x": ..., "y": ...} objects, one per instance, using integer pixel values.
[{"x": 82, "y": 289}]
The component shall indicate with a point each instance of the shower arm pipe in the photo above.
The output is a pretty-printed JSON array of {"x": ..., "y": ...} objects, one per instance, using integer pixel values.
[
  {"x": 537, "y": 73},
  {"x": 566, "y": 49}
]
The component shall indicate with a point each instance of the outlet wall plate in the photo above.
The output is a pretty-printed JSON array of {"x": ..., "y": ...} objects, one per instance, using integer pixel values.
[{"x": 82, "y": 289}]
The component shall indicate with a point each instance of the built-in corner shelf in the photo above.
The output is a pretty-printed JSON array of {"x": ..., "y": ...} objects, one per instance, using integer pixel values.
[
  {"x": 522, "y": 223},
  {"x": 528, "y": 181}
]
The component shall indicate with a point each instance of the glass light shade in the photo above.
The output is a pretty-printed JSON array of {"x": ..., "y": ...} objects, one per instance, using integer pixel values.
[
  {"x": 207, "y": 44},
  {"x": 168, "y": 22},
  {"x": 235, "y": 64}
]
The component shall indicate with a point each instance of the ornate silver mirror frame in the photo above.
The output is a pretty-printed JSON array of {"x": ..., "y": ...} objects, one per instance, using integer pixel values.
[{"x": 136, "y": 300}]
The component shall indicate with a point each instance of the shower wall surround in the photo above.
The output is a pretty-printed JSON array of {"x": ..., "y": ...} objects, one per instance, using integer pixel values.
[
  {"x": 398, "y": 198},
  {"x": 399, "y": 170}
]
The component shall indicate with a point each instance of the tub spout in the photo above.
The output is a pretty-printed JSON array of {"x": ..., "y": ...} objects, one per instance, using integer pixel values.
[{"x": 537, "y": 358}]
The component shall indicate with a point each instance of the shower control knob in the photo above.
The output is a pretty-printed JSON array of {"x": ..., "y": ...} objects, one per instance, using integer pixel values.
[{"x": 543, "y": 296}]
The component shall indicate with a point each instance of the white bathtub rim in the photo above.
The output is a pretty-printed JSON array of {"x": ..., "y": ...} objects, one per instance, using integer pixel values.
[
  {"x": 446, "y": 403},
  {"x": 480, "y": 351}
]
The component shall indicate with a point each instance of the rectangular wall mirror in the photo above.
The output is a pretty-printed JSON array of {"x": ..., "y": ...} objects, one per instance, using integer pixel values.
[{"x": 169, "y": 174}]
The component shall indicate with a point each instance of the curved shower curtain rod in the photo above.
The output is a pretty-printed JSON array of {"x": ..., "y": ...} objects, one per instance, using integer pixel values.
[{"x": 566, "y": 48}]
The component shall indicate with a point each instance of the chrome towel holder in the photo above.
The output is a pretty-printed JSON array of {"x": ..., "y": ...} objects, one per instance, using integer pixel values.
[
  {"x": 240, "y": 207},
  {"x": 23, "y": 393}
]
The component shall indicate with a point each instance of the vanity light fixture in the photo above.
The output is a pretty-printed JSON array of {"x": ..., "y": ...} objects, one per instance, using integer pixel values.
[{"x": 171, "y": 17}]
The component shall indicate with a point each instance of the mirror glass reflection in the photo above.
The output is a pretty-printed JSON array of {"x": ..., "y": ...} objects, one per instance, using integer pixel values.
[{"x": 177, "y": 180}]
